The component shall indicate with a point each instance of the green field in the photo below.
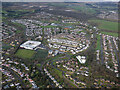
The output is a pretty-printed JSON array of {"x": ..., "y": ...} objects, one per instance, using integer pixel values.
[
  {"x": 59, "y": 73},
  {"x": 98, "y": 43},
  {"x": 41, "y": 54},
  {"x": 19, "y": 25},
  {"x": 25, "y": 54},
  {"x": 105, "y": 25},
  {"x": 18, "y": 31},
  {"x": 38, "y": 65},
  {"x": 6, "y": 47},
  {"x": 76, "y": 7},
  {"x": 83, "y": 8},
  {"x": 110, "y": 33},
  {"x": 49, "y": 26}
]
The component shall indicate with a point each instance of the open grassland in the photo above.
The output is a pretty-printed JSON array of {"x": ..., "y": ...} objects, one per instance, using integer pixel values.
[
  {"x": 25, "y": 54},
  {"x": 105, "y": 25}
]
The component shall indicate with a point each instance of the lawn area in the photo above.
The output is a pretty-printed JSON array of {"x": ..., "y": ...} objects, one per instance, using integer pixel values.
[
  {"x": 5, "y": 12},
  {"x": 25, "y": 54},
  {"x": 5, "y": 47},
  {"x": 49, "y": 26},
  {"x": 18, "y": 31},
  {"x": 110, "y": 33},
  {"x": 38, "y": 65},
  {"x": 20, "y": 25},
  {"x": 41, "y": 54},
  {"x": 105, "y": 25},
  {"x": 59, "y": 73},
  {"x": 98, "y": 43}
]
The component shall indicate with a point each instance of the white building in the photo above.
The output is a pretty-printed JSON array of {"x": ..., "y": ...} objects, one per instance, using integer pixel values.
[
  {"x": 81, "y": 59},
  {"x": 30, "y": 45}
]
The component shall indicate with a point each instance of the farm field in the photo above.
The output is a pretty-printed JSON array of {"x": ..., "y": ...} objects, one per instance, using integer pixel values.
[
  {"x": 83, "y": 8},
  {"x": 76, "y": 7},
  {"x": 105, "y": 25},
  {"x": 25, "y": 54}
]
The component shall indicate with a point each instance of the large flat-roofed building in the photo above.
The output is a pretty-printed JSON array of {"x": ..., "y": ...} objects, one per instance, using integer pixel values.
[{"x": 30, "y": 45}]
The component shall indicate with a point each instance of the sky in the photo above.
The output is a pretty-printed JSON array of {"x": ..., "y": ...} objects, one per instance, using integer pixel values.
[{"x": 58, "y": 0}]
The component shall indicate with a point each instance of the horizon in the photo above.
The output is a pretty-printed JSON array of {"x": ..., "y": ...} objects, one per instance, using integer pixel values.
[{"x": 60, "y": 1}]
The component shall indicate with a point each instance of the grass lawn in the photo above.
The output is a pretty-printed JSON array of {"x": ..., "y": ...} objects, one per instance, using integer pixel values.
[
  {"x": 5, "y": 47},
  {"x": 110, "y": 33},
  {"x": 25, "y": 54},
  {"x": 105, "y": 25},
  {"x": 18, "y": 31},
  {"x": 59, "y": 73},
  {"x": 41, "y": 54},
  {"x": 20, "y": 25},
  {"x": 38, "y": 65},
  {"x": 98, "y": 43},
  {"x": 49, "y": 26}
]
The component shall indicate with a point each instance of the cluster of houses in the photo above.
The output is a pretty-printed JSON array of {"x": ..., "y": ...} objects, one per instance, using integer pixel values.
[
  {"x": 109, "y": 15},
  {"x": 83, "y": 71},
  {"x": 72, "y": 65},
  {"x": 13, "y": 84},
  {"x": 68, "y": 68},
  {"x": 26, "y": 68},
  {"x": 42, "y": 16},
  {"x": 7, "y": 63},
  {"x": 67, "y": 45},
  {"x": 35, "y": 27},
  {"x": 8, "y": 46},
  {"x": 31, "y": 28},
  {"x": 54, "y": 52},
  {"x": 98, "y": 55},
  {"x": 52, "y": 78},
  {"x": 7, "y": 31},
  {"x": 113, "y": 60},
  {"x": 8, "y": 76},
  {"x": 115, "y": 42},
  {"x": 99, "y": 83},
  {"x": 49, "y": 32},
  {"x": 79, "y": 83},
  {"x": 14, "y": 43},
  {"x": 78, "y": 31},
  {"x": 69, "y": 21},
  {"x": 102, "y": 83}
]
